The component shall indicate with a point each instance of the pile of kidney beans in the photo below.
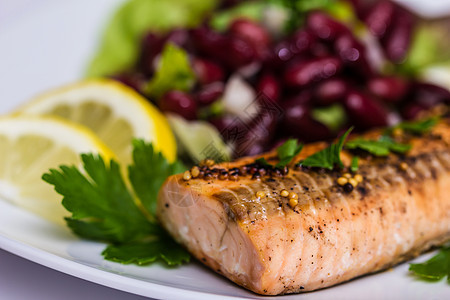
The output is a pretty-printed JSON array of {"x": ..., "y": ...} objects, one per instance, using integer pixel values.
[{"x": 319, "y": 65}]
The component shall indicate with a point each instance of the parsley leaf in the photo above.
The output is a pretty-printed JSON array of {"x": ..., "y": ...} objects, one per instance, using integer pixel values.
[
  {"x": 145, "y": 253},
  {"x": 380, "y": 147},
  {"x": 417, "y": 127},
  {"x": 103, "y": 207},
  {"x": 288, "y": 151},
  {"x": 173, "y": 73},
  {"x": 328, "y": 157},
  {"x": 435, "y": 268},
  {"x": 262, "y": 161},
  {"x": 149, "y": 164},
  {"x": 355, "y": 164}
]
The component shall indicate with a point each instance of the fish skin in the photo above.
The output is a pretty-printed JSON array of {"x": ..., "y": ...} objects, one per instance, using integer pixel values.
[{"x": 331, "y": 236}]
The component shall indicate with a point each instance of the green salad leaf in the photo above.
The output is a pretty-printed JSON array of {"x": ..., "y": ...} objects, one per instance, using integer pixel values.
[
  {"x": 120, "y": 42},
  {"x": 381, "y": 147},
  {"x": 173, "y": 73},
  {"x": 429, "y": 47},
  {"x": 250, "y": 10},
  {"x": 333, "y": 116},
  {"x": 435, "y": 268},
  {"x": 329, "y": 157},
  {"x": 103, "y": 208}
]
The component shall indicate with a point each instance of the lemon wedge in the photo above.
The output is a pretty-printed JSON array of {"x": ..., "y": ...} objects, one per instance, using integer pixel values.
[
  {"x": 114, "y": 112},
  {"x": 29, "y": 147}
]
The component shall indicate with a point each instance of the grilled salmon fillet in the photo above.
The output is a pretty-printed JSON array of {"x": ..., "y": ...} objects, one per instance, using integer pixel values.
[{"x": 400, "y": 209}]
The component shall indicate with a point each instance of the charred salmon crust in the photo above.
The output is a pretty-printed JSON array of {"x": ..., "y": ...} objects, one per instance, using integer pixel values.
[{"x": 265, "y": 245}]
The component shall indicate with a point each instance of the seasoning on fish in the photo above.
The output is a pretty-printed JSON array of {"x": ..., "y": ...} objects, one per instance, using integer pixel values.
[
  {"x": 332, "y": 234},
  {"x": 342, "y": 180},
  {"x": 284, "y": 193}
]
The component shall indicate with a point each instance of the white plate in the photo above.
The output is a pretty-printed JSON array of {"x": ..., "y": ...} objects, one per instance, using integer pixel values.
[{"x": 49, "y": 47}]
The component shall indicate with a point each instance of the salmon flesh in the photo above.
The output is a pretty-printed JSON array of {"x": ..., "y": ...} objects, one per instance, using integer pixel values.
[{"x": 400, "y": 209}]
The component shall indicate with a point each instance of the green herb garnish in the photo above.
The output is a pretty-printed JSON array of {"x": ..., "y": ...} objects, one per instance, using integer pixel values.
[
  {"x": 329, "y": 157},
  {"x": 381, "y": 147},
  {"x": 333, "y": 116},
  {"x": 355, "y": 164},
  {"x": 435, "y": 268},
  {"x": 288, "y": 151},
  {"x": 417, "y": 127},
  {"x": 103, "y": 207},
  {"x": 173, "y": 73}
]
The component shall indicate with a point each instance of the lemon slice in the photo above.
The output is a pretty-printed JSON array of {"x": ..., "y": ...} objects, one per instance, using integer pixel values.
[
  {"x": 29, "y": 147},
  {"x": 116, "y": 113}
]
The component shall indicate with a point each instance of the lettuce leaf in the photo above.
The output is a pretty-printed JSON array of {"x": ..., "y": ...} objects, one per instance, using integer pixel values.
[
  {"x": 119, "y": 46},
  {"x": 173, "y": 73}
]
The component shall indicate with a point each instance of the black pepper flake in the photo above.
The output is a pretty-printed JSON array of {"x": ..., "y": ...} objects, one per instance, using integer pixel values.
[
  {"x": 310, "y": 229},
  {"x": 302, "y": 287},
  {"x": 166, "y": 205},
  {"x": 234, "y": 170},
  {"x": 256, "y": 175}
]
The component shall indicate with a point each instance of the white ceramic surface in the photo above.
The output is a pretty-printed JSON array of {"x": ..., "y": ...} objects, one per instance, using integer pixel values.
[{"x": 50, "y": 46}]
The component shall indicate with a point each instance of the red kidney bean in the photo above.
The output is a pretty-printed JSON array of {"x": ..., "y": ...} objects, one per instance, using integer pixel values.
[
  {"x": 298, "y": 123},
  {"x": 428, "y": 95},
  {"x": 360, "y": 7},
  {"x": 210, "y": 93},
  {"x": 302, "y": 97},
  {"x": 353, "y": 53},
  {"x": 379, "y": 17},
  {"x": 412, "y": 110},
  {"x": 253, "y": 33},
  {"x": 279, "y": 55},
  {"x": 257, "y": 135},
  {"x": 269, "y": 86},
  {"x": 232, "y": 51},
  {"x": 390, "y": 89},
  {"x": 330, "y": 91},
  {"x": 226, "y": 123},
  {"x": 180, "y": 103},
  {"x": 134, "y": 80},
  {"x": 151, "y": 46},
  {"x": 302, "y": 41},
  {"x": 364, "y": 111},
  {"x": 206, "y": 39},
  {"x": 179, "y": 37},
  {"x": 238, "y": 52},
  {"x": 304, "y": 73},
  {"x": 207, "y": 71},
  {"x": 397, "y": 39},
  {"x": 324, "y": 26}
]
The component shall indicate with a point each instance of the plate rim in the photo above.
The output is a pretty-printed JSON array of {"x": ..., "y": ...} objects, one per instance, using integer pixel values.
[{"x": 102, "y": 277}]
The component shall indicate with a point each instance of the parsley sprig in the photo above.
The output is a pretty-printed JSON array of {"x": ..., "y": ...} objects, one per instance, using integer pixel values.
[
  {"x": 381, "y": 147},
  {"x": 286, "y": 153},
  {"x": 435, "y": 268},
  {"x": 416, "y": 127},
  {"x": 105, "y": 209},
  {"x": 329, "y": 157}
]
